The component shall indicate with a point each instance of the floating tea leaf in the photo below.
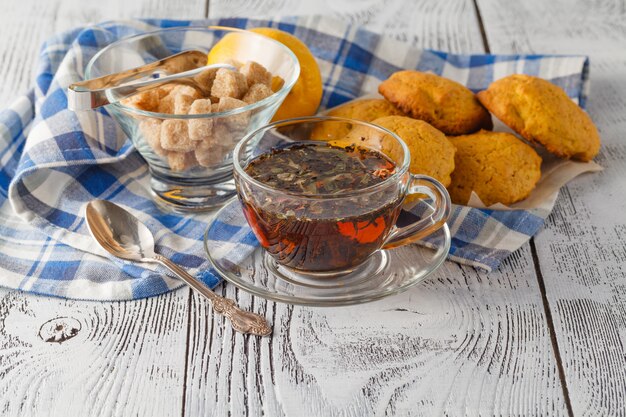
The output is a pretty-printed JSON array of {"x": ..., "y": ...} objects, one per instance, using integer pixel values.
[{"x": 320, "y": 168}]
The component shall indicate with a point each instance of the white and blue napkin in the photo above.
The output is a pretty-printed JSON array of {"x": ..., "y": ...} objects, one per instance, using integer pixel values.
[{"x": 53, "y": 161}]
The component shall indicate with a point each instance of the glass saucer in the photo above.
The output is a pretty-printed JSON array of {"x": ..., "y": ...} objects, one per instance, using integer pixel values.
[{"x": 237, "y": 256}]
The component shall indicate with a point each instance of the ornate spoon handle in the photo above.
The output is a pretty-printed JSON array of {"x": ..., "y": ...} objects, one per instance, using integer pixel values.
[{"x": 242, "y": 321}]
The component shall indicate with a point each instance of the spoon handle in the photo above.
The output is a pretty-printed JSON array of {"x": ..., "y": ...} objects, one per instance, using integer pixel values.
[{"x": 242, "y": 321}]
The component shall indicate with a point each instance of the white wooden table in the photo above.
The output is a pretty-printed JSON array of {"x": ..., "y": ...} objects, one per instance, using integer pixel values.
[{"x": 543, "y": 335}]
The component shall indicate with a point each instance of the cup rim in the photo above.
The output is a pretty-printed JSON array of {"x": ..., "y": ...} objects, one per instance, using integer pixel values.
[
  {"x": 239, "y": 170},
  {"x": 287, "y": 86}
]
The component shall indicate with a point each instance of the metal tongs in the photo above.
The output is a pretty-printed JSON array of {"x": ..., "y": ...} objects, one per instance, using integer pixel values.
[{"x": 97, "y": 92}]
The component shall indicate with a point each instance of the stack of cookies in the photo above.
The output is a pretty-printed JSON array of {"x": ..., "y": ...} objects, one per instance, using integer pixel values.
[{"x": 448, "y": 131}]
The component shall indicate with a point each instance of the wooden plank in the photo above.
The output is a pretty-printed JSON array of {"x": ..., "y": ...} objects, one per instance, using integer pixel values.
[
  {"x": 581, "y": 251},
  {"x": 127, "y": 358},
  {"x": 462, "y": 343},
  {"x": 27, "y": 23},
  {"x": 419, "y": 22}
]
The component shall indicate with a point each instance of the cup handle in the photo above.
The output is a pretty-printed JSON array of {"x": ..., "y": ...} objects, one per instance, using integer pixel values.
[{"x": 421, "y": 184}]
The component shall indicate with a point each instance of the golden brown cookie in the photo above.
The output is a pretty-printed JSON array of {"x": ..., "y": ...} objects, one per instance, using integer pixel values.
[
  {"x": 365, "y": 110},
  {"x": 497, "y": 166},
  {"x": 432, "y": 153},
  {"x": 542, "y": 112},
  {"x": 445, "y": 104}
]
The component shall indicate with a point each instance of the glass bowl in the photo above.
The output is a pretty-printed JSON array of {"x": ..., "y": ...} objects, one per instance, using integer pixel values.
[{"x": 200, "y": 179}]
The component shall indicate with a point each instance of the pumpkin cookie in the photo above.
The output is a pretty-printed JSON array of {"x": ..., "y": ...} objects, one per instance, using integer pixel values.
[
  {"x": 432, "y": 153},
  {"x": 365, "y": 110},
  {"x": 445, "y": 104},
  {"x": 497, "y": 166},
  {"x": 542, "y": 112}
]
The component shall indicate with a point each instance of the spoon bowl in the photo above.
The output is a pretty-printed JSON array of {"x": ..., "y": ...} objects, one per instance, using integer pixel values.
[
  {"x": 119, "y": 232},
  {"x": 125, "y": 237}
]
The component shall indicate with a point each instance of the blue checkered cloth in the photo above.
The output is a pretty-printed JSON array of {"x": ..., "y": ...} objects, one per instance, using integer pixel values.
[{"x": 53, "y": 161}]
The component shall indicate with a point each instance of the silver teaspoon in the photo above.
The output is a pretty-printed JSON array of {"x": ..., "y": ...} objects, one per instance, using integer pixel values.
[{"x": 124, "y": 236}]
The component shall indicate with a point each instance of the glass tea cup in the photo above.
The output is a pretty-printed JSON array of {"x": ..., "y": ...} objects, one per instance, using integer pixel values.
[{"x": 323, "y": 235}]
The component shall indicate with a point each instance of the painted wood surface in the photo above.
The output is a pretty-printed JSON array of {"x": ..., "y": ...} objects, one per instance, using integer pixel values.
[
  {"x": 461, "y": 343},
  {"x": 582, "y": 249},
  {"x": 128, "y": 358},
  {"x": 423, "y": 23},
  {"x": 25, "y": 25}
]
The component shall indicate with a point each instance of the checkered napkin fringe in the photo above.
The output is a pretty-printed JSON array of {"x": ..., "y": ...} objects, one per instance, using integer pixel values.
[{"x": 53, "y": 161}]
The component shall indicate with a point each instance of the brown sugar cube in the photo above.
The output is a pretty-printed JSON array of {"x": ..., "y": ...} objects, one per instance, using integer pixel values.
[
  {"x": 237, "y": 121},
  {"x": 187, "y": 90},
  {"x": 164, "y": 90},
  {"x": 200, "y": 129},
  {"x": 209, "y": 154},
  {"x": 227, "y": 136},
  {"x": 175, "y": 136},
  {"x": 256, "y": 74},
  {"x": 147, "y": 100},
  {"x": 257, "y": 92},
  {"x": 233, "y": 62},
  {"x": 182, "y": 103},
  {"x": 180, "y": 161},
  {"x": 167, "y": 103},
  {"x": 229, "y": 103},
  {"x": 222, "y": 134},
  {"x": 215, "y": 107},
  {"x": 205, "y": 80},
  {"x": 229, "y": 84},
  {"x": 157, "y": 97},
  {"x": 151, "y": 132}
]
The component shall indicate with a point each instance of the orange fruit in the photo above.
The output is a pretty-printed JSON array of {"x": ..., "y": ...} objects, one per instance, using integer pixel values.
[
  {"x": 306, "y": 94},
  {"x": 226, "y": 49}
]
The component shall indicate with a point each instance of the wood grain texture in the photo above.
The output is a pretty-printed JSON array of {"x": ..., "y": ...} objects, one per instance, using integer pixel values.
[
  {"x": 127, "y": 359},
  {"x": 461, "y": 343},
  {"x": 418, "y": 22},
  {"x": 27, "y": 23},
  {"x": 582, "y": 249}
]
